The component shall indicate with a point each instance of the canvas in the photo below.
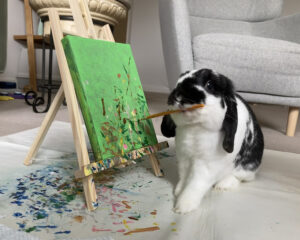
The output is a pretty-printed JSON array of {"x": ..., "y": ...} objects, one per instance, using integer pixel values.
[{"x": 110, "y": 95}]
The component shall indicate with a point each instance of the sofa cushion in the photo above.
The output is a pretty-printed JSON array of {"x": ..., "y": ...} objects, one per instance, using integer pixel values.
[
  {"x": 255, "y": 64},
  {"x": 244, "y": 10}
]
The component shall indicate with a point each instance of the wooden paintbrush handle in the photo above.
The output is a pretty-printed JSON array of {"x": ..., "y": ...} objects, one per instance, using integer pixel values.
[{"x": 174, "y": 111}]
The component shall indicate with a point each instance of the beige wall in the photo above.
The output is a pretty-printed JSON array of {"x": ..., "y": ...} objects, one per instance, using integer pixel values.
[
  {"x": 291, "y": 7},
  {"x": 145, "y": 39}
]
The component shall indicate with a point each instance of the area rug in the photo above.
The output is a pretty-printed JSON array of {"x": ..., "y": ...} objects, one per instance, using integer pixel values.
[{"x": 43, "y": 201}]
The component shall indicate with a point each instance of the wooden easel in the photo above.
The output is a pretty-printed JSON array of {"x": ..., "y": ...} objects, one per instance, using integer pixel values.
[{"x": 84, "y": 28}]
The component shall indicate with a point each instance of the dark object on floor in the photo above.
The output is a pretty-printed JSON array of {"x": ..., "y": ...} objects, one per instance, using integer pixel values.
[
  {"x": 8, "y": 85},
  {"x": 15, "y": 95}
]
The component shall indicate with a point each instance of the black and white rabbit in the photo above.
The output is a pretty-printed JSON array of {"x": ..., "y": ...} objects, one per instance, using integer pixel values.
[{"x": 219, "y": 145}]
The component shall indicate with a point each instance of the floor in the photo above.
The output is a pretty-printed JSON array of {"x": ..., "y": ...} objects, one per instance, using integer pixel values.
[
  {"x": 16, "y": 116},
  {"x": 43, "y": 201}
]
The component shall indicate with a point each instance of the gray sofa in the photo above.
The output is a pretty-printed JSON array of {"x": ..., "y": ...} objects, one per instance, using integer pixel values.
[{"x": 246, "y": 40}]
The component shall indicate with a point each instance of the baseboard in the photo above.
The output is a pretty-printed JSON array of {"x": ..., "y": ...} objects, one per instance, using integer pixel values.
[
  {"x": 24, "y": 81},
  {"x": 8, "y": 79},
  {"x": 155, "y": 89},
  {"x": 9, "y": 90},
  {"x": 38, "y": 76}
]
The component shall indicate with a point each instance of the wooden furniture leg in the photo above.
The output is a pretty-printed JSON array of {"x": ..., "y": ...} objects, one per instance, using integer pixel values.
[
  {"x": 292, "y": 121},
  {"x": 30, "y": 47}
]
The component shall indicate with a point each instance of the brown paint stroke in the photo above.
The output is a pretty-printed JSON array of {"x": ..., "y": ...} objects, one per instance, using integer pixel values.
[
  {"x": 126, "y": 204},
  {"x": 78, "y": 218},
  {"x": 109, "y": 150},
  {"x": 138, "y": 230},
  {"x": 103, "y": 107},
  {"x": 154, "y": 212},
  {"x": 119, "y": 112},
  {"x": 147, "y": 130},
  {"x": 62, "y": 186}
]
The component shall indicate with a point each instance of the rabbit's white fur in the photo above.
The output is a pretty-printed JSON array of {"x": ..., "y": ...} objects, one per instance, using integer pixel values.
[
  {"x": 203, "y": 159},
  {"x": 200, "y": 154}
]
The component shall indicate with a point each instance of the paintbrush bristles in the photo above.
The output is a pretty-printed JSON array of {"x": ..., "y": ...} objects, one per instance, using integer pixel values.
[{"x": 173, "y": 111}]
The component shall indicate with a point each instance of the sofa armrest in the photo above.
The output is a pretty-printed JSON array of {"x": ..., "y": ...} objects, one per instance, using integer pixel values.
[{"x": 176, "y": 38}]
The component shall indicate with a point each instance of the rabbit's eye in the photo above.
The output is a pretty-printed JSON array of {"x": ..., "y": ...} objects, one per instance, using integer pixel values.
[{"x": 209, "y": 85}]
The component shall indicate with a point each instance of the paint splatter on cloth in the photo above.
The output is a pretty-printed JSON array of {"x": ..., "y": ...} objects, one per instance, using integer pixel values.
[{"x": 50, "y": 201}]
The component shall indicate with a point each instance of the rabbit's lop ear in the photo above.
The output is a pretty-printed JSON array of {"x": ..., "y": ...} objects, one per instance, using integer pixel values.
[
  {"x": 231, "y": 117},
  {"x": 168, "y": 127},
  {"x": 230, "y": 125}
]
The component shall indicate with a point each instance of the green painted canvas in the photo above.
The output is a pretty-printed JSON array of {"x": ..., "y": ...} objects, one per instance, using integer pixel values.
[{"x": 110, "y": 95}]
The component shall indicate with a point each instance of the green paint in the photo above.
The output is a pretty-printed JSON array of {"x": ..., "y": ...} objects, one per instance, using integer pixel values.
[
  {"x": 30, "y": 229},
  {"x": 69, "y": 197},
  {"x": 110, "y": 95},
  {"x": 40, "y": 216}
]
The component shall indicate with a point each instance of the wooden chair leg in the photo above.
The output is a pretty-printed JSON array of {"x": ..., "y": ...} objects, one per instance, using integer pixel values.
[
  {"x": 292, "y": 121},
  {"x": 156, "y": 166},
  {"x": 30, "y": 47},
  {"x": 57, "y": 101}
]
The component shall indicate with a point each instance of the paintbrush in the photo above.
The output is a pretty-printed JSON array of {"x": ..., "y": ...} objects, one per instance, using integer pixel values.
[{"x": 173, "y": 111}]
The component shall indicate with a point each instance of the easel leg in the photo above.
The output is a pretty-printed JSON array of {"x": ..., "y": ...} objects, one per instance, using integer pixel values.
[
  {"x": 73, "y": 109},
  {"x": 156, "y": 166},
  {"x": 90, "y": 192},
  {"x": 57, "y": 101}
]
